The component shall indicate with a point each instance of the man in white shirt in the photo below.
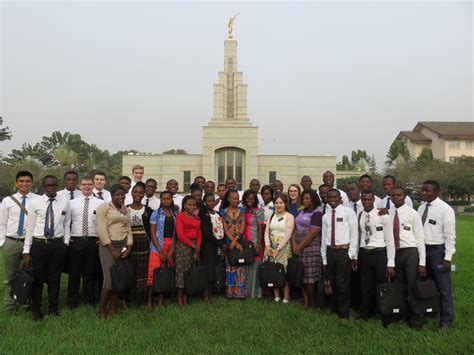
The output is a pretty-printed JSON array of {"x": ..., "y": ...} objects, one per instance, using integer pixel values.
[
  {"x": 137, "y": 174},
  {"x": 388, "y": 183},
  {"x": 200, "y": 181},
  {"x": 13, "y": 219},
  {"x": 172, "y": 186},
  {"x": 366, "y": 183},
  {"x": 439, "y": 225},
  {"x": 376, "y": 257},
  {"x": 306, "y": 182},
  {"x": 338, "y": 248},
  {"x": 353, "y": 194},
  {"x": 99, "y": 183},
  {"x": 323, "y": 190},
  {"x": 70, "y": 179},
  {"x": 255, "y": 187},
  {"x": 44, "y": 245},
  {"x": 150, "y": 200},
  {"x": 408, "y": 235},
  {"x": 328, "y": 179},
  {"x": 231, "y": 184},
  {"x": 83, "y": 251},
  {"x": 126, "y": 183}
]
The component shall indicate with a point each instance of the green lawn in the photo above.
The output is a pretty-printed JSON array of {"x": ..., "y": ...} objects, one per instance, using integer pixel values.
[{"x": 245, "y": 326}]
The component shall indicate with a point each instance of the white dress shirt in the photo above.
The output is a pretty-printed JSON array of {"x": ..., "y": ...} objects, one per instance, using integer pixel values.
[
  {"x": 440, "y": 226},
  {"x": 411, "y": 230},
  {"x": 10, "y": 216},
  {"x": 153, "y": 202},
  {"x": 268, "y": 210},
  {"x": 359, "y": 208},
  {"x": 128, "y": 198},
  {"x": 37, "y": 219},
  {"x": 67, "y": 194},
  {"x": 345, "y": 199},
  {"x": 347, "y": 231},
  {"x": 178, "y": 200},
  {"x": 105, "y": 194},
  {"x": 73, "y": 223},
  {"x": 383, "y": 203},
  {"x": 380, "y": 234}
]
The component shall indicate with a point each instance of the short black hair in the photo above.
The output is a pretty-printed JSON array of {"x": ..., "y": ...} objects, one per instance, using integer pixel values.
[
  {"x": 433, "y": 183},
  {"x": 139, "y": 184},
  {"x": 229, "y": 178},
  {"x": 49, "y": 177},
  {"x": 225, "y": 201},
  {"x": 246, "y": 194},
  {"x": 194, "y": 186},
  {"x": 71, "y": 172},
  {"x": 100, "y": 172},
  {"x": 367, "y": 192},
  {"x": 365, "y": 176},
  {"x": 22, "y": 173},
  {"x": 151, "y": 180},
  {"x": 208, "y": 194},
  {"x": 125, "y": 178},
  {"x": 199, "y": 177},
  {"x": 324, "y": 185},
  {"x": 267, "y": 187},
  {"x": 390, "y": 177},
  {"x": 335, "y": 190},
  {"x": 352, "y": 182},
  {"x": 398, "y": 187},
  {"x": 115, "y": 187}
]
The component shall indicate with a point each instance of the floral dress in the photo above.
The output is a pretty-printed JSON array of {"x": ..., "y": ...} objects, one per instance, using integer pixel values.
[{"x": 253, "y": 219}]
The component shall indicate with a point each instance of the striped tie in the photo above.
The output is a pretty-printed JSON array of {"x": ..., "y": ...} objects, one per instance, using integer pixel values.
[{"x": 85, "y": 218}]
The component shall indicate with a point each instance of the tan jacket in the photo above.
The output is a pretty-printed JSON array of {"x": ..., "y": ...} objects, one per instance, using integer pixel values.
[{"x": 113, "y": 225}]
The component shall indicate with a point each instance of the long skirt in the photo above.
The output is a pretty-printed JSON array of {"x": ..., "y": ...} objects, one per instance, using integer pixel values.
[
  {"x": 107, "y": 260},
  {"x": 311, "y": 257},
  {"x": 209, "y": 259},
  {"x": 139, "y": 257},
  {"x": 155, "y": 261},
  {"x": 254, "y": 289},
  {"x": 184, "y": 262},
  {"x": 236, "y": 281}
]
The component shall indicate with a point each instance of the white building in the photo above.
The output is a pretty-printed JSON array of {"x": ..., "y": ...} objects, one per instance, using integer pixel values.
[{"x": 230, "y": 144}]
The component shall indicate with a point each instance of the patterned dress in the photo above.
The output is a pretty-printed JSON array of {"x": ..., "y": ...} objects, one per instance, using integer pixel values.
[
  {"x": 236, "y": 275},
  {"x": 311, "y": 255},
  {"x": 253, "y": 219},
  {"x": 139, "y": 253}
]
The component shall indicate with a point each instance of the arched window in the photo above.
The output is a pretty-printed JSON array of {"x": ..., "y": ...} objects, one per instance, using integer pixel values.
[{"x": 230, "y": 162}]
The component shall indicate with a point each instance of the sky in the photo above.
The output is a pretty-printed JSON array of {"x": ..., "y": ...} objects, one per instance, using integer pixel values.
[{"x": 323, "y": 77}]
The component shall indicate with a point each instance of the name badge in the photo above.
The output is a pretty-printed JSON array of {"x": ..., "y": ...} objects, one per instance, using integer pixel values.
[
  {"x": 339, "y": 219},
  {"x": 406, "y": 228},
  {"x": 241, "y": 261},
  {"x": 379, "y": 228},
  {"x": 432, "y": 222},
  {"x": 396, "y": 310},
  {"x": 63, "y": 213}
]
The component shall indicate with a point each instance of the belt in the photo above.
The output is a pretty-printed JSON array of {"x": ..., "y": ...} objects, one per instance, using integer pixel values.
[
  {"x": 372, "y": 250},
  {"x": 16, "y": 239},
  {"x": 85, "y": 237},
  {"x": 341, "y": 246},
  {"x": 47, "y": 241}
]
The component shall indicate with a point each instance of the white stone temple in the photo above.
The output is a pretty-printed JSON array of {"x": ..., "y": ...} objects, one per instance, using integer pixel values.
[{"x": 230, "y": 145}]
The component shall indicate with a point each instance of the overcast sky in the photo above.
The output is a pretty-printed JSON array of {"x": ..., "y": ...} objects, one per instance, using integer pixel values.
[{"x": 323, "y": 78}]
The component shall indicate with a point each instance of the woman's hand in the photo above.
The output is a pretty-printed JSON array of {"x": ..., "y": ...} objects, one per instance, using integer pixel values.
[
  {"x": 196, "y": 256},
  {"x": 125, "y": 253},
  {"x": 239, "y": 247},
  {"x": 115, "y": 254},
  {"x": 297, "y": 250},
  {"x": 268, "y": 252},
  {"x": 162, "y": 255}
]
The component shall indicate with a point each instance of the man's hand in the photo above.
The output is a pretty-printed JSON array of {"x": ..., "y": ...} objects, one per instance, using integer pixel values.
[
  {"x": 390, "y": 272},
  {"x": 422, "y": 270},
  {"x": 447, "y": 265},
  {"x": 355, "y": 265},
  {"x": 26, "y": 260},
  {"x": 383, "y": 211},
  {"x": 297, "y": 250}
]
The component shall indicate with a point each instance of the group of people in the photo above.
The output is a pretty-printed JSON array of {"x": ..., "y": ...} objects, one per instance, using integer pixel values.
[{"x": 353, "y": 238}]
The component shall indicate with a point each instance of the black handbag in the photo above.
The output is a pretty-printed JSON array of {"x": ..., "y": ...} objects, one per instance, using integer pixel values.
[
  {"x": 426, "y": 299},
  {"x": 271, "y": 274},
  {"x": 195, "y": 280},
  {"x": 249, "y": 251},
  {"x": 295, "y": 271},
  {"x": 164, "y": 279},
  {"x": 391, "y": 298},
  {"x": 21, "y": 286},
  {"x": 220, "y": 275},
  {"x": 322, "y": 299},
  {"x": 123, "y": 276},
  {"x": 235, "y": 257}
]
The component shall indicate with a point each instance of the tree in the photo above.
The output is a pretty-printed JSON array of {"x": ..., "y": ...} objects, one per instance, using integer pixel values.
[
  {"x": 360, "y": 161},
  {"x": 425, "y": 155},
  {"x": 174, "y": 151},
  {"x": 5, "y": 133},
  {"x": 398, "y": 150}
]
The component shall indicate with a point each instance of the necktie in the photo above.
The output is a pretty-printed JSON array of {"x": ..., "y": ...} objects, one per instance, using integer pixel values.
[
  {"x": 21, "y": 222},
  {"x": 425, "y": 214},
  {"x": 396, "y": 230},
  {"x": 72, "y": 195},
  {"x": 324, "y": 209},
  {"x": 147, "y": 200},
  {"x": 85, "y": 218},
  {"x": 387, "y": 206},
  {"x": 333, "y": 228},
  {"x": 49, "y": 222},
  {"x": 100, "y": 193},
  {"x": 367, "y": 229},
  {"x": 355, "y": 207}
]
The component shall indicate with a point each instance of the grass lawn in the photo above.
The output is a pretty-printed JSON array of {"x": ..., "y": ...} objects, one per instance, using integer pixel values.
[{"x": 244, "y": 326}]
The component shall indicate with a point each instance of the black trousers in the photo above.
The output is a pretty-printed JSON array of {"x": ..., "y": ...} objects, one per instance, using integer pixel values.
[
  {"x": 339, "y": 268},
  {"x": 372, "y": 267},
  {"x": 83, "y": 263},
  {"x": 406, "y": 272},
  {"x": 48, "y": 261}
]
